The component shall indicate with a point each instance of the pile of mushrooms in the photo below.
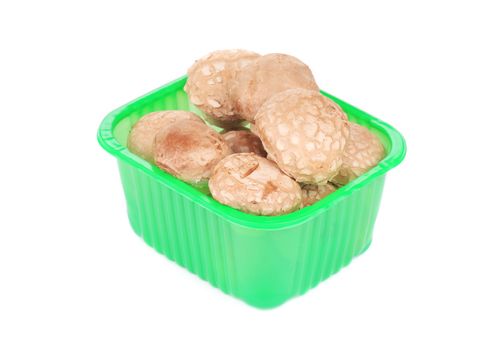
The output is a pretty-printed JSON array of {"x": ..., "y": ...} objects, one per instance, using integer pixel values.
[{"x": 299, "y": 149}]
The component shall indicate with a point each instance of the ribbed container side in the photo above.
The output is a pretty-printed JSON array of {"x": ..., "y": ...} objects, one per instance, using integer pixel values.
[
  {"x": 264, "y": 268},
  {"x": 168, "y": 222},
  {"x": 333, "y": 239}
]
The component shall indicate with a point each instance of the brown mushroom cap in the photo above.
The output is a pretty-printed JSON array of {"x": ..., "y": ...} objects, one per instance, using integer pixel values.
[
  {"x": 189, "y": 150},
  {"x": 209, "y": 84},
  {"x": 244, "y": 141},
  {"x": 141, "y": 138},
  {"x": 255, "y": 185},
  {"x": 267, "y": 76},
  {"x": 363, "y": 151},
  {"x": 304, "y": 133},
  {"x": 313, "y": 193}
]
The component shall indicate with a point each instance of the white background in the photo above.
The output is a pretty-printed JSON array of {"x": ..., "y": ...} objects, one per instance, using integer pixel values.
[{"x": 73, "y": 275}]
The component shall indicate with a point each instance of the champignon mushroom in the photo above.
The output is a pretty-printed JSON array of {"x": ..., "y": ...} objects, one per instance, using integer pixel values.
[
  {"x": 141, "y": 138},
  {"x": 313, "y": 193},
  {"x": 254, "y": 185},
  {"x": 209, "y": 84},
  {"x": 189, "y": 150},
  {"x": 244, "y": 141},
  {"x": 363, "y": 151},
  {"x": 304, "y": 133},
  {"x": 267, "y": 76}
]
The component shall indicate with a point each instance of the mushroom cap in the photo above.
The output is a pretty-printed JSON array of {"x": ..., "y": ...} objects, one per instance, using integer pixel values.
[
  {"x": 304, "y": 133},
  {"x": 253, "y": 129},
  {"x": 254, "y": 185},
  {"x": 313, "y": 193},
  {"x": 189, "y": 150},
  {"x": 209, "y": 84},
  {"x": 141, "y": 138},
  {"x": 267, "y": 76},
  {"x": 244, "y": 141},
  {"x": 363, "y": 151}
]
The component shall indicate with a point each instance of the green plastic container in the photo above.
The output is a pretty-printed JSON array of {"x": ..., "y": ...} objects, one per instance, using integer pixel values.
[{"x": 263, "y": 261}]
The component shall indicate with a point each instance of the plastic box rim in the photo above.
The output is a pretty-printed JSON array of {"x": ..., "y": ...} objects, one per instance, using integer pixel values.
[{"x": 395, "y": 155}]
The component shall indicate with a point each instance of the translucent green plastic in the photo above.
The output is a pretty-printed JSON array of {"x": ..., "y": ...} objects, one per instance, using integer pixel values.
[{"x": 263, "y": 261}]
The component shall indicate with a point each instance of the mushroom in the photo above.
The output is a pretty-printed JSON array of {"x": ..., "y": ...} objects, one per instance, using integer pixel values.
[
  {"x": 363, "y": 151},
  {"x": 313, "y": 193},
  {"x": 267, "y": 76},
  {"x": 189, "y": 150},
  {"x": 209, "y": 84},
  {"x": 254, "y": 185},
  {"x": 253, "y": 129},
  {"x": 141, "y": 138},
  {"x": 304, "y": 133},
  {"x": 244, "y": 141}
]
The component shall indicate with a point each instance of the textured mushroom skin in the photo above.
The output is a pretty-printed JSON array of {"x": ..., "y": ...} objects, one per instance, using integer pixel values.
[
  {"x": 244, "y": 141},
  {"x": 189, "y": 150},
  {"x": 363, "y": 151},
  {"x": 304, "y": 133},
  {"x": 141, "y": 138},
  {"x": 254, "y": 185},
  {"x": 209, "y": 84},
  {"x": 253, "y": 129},
  {"x": 313, "y": 193},
  {"x": 267, "y": 76}
]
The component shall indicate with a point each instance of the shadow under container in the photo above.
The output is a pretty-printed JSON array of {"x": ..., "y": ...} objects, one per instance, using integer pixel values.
[{"x": 263, "y": 261}]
